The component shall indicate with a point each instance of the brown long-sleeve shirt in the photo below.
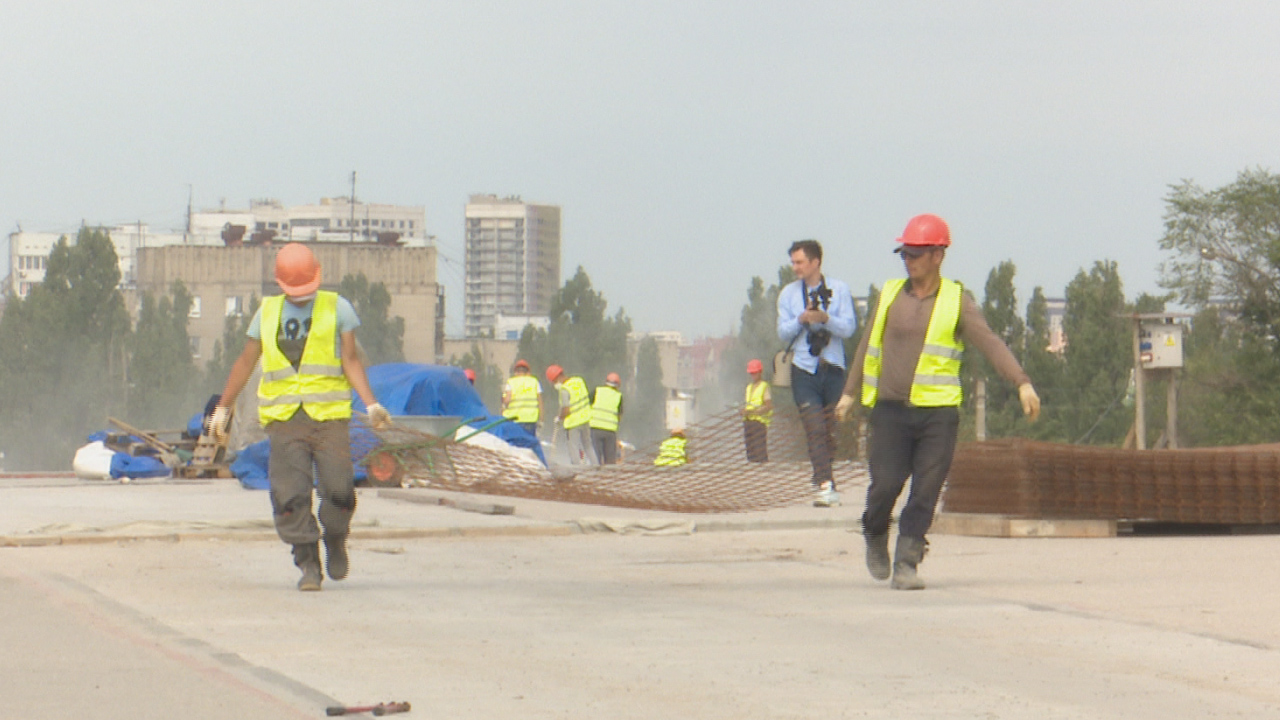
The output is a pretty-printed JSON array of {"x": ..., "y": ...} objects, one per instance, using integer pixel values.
[{"x": 904, "y": 331}]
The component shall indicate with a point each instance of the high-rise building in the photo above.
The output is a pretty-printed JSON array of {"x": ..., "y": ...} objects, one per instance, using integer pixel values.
[{"x": 512, "y": 260}]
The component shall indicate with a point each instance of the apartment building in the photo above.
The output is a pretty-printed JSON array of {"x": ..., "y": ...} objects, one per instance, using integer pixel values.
[{"x": 512, "y": 259}]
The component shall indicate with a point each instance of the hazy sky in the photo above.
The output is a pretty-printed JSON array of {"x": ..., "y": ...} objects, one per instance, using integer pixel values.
[{"x": 687, "y": 142}]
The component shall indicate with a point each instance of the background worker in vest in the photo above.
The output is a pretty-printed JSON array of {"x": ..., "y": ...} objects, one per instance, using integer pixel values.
[
  {"x": 674, "y": 451},
  {"x": 522, "y": 398},
  {"x": 907, "y": 371},
  {"x": 310, "y": 363},
  {"x": 575, "y": 415},
  {"x": 757, "y": 413},
  {"x": 815, "y": 315},
  {"x": 606, "y": 411}
]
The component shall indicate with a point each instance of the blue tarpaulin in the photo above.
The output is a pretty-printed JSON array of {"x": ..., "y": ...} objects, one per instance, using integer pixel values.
[{"x": 403, "y": 389}]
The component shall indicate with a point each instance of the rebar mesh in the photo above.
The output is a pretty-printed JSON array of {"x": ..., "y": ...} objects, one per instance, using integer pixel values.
[
  {"x": 1025, "y": 478},
  {"x": 716, "y": 479}
]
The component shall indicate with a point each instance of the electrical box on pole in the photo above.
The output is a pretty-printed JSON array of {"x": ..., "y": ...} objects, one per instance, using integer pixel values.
[{"x": 1160, "y": 344}]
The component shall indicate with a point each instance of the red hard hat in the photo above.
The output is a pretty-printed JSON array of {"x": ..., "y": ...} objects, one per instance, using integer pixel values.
[
  {"x": 926, "y": 230},
  {"x": 613, "y": 379},
  {"x": 755, "y": 366},
  {"x": 522, "y": 364},
  {"x": 471, "y": 374},
  {"x": 297, "y": 271},
  {"x": 553, "y": 372}
]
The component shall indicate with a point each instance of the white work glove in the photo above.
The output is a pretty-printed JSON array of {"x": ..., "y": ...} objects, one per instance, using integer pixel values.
[
  {"x": 378, "y": 416},
  {"x": 218, "y": 421},
  {"x": 1030, "y": 401},
  {"x": 844, "y": 407}
]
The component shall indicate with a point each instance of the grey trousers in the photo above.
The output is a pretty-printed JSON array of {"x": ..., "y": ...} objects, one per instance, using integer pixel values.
[
  {"x": 908, "y": 442},
  {"x": 307, "y": 454},
  {"x": 580, "y": 450},
  {"x": 605, "y": 443}
]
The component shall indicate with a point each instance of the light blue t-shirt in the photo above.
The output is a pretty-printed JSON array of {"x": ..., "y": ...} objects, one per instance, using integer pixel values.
[{"x": 295, "y": 322}]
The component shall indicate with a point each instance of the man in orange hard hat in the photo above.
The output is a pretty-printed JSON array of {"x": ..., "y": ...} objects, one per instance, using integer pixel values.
[
  {"x": 522, "y": 398},
  {"x": 606, "y": 412},
  {"x": 757, "y": 414},
  {"x": 306, "y": 341},
  {"x": 575, "y": 414},
  {"x": 470, "y": 374},
  {"x": 907, "y": 372}
]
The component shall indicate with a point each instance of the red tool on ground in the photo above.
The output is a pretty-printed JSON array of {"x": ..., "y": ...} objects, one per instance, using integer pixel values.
[{"x": 379, "y": 709}]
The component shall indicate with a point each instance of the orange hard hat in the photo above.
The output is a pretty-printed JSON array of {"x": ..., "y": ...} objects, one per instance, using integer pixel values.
[
  {"x": 678, "y": 431},
  {"x": 755, "y": 366},
  {"x": 926, "y": 231},
  {"x": 297, "y": 271},
  {"x": 553, "y": 372},
  {"x": 613, "y": 379},
  {"x": 522, "y": 364},
  {"x": 471, "y": 374}
]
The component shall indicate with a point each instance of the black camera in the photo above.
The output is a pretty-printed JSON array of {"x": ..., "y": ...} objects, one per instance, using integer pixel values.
[{"x": 818, "y": 341}]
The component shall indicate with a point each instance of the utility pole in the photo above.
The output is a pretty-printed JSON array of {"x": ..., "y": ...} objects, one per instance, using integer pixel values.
[{"x": 351, "y": 234}]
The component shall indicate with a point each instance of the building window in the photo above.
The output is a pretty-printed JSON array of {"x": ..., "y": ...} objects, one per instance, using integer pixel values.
[
  {"x": 195, "y": 307},
  {"x": 235, "y": 306},
  {"x": 195, "y": 347}
]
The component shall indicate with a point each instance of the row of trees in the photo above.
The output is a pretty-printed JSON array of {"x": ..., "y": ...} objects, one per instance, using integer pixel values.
[{"x": 70, "y": 357}]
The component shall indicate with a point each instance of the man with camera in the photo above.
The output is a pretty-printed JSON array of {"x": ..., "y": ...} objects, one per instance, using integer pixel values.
[{"x": 815, "y": 315}]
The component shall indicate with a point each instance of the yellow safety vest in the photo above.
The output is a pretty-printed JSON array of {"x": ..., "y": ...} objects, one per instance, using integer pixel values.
[
  {"x": 523, "y": 406},
  {"x": 579, "y": 403},
  {"x": 604, "y": 413},
  {"x": 671, "y": 452},
  {"x": 755, "y": 400},
  {"x": 318, "y": 384},
  {"x": 937, "y": 378}
]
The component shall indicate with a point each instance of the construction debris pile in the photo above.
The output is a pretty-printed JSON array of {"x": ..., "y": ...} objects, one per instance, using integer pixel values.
[
  {"x": 716, "y": 479},
  {"x": 1024, "y": 478}
]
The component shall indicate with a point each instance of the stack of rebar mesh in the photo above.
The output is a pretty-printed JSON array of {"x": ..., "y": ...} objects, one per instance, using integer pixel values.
[
  {"x": 1024, "y": 478},
  {"x": 717, "y": 477}
]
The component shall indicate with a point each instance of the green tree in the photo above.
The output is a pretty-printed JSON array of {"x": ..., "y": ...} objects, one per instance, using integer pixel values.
[
  {"x": 1225, "y": 249},
  {"x": 757, "y": 336},
  {"x": 235, "y": 329},
  {"x": 1098, "y": 358},
  {"x": 646, "y": 408},
  {"x": 161, "y": 371},
  {"x": 62, "y": 352},
  {"x": 1045, "y": 368},
  {"x": 1000, "y": 308},
  {"x": 489, "y": 378},
  {"x": 381, "y": 335},
  {"x": 1224, "y": 264}
]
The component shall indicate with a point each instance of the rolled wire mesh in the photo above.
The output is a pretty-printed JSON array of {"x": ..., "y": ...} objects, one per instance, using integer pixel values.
[{"x": 716, "y": 478}]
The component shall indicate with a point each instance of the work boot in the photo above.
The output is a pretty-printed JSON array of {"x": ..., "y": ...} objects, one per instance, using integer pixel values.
[
  {"x": 307, "y": 557},
  {"x": 878, "y": 555},
  {"x": 335, "y": 556},
  {"x": 907, "y": 556}
]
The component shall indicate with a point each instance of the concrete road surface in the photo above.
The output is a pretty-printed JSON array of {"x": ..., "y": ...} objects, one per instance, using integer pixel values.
[{"x": 526, "y": 622}]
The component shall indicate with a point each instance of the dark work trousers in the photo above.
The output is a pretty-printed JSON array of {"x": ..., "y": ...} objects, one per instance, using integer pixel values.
[
  {"x": 816, "y": 395},
  {"x": 908, "y": 442},
  {"x": 605, "y": 443},
  {"x": 755, "y": 435},
  {"x": 531, "y": 428},
  {"x": 306, "y": 454}
]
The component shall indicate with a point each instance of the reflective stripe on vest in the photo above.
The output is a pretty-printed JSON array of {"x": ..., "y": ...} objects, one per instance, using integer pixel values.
[
  {"x": 671, "y": 452},
  {"x": 318, "y": 384},
  {"x": 937, "y": 378},
  {"x": 604, "y": 412},
  {"x": 579, "y": 403},
  {"x": 755, "y": 400},
  {"x": 523, "y": 406}
]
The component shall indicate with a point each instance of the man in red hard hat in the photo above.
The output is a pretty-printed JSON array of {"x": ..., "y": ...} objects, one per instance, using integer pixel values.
[
  {"x": 470, "y": 374},
  {"x": 575, "y": 414},
  {"x": 310, "y": 364},
  {"x": 522, "y": 398},
  {"x": 757, "y": 413},
  {"x": 606, "y": 412},
  {"x": 907, "y": 372}
]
